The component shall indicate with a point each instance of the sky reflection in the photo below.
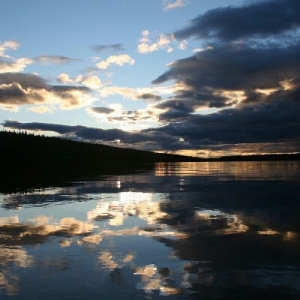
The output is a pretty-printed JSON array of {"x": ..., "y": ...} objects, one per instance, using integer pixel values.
[{"x": 162, "y": 233}]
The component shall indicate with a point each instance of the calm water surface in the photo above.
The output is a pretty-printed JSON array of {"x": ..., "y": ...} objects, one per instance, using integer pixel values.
[{"x": 182, "y": 231}]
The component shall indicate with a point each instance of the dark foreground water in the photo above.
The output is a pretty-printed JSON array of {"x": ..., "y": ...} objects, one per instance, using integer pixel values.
[{"x": 182, "y": 231}]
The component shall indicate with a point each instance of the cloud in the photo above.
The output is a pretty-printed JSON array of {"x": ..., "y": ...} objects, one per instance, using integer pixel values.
[
  {"x": 163, "y": 41},
  {"x": 17, "y": 65},
  {"x": 24, "y": 232},
  {"x": 248, "y": 71},
  {"x": 230, "y": 23},
  {"x": 206, "y": 75},
  {"x": 168, "y": 5},
  {"x": 260, "y": 123},
  {"x": 128, "y": 120},
  {"x": 102, "y": 110},
  {"x": 114, "y": 47},
  {"x": 263, "y": 122},
  {"x": 71, "y": 97},
  {"x": 55, "y": 59},
  {"x": 41, "y": 109},
  {"x": 92, "y": 134},
  {"x": 183, "y": 45},
  {"x": 270, "y": 122},
  {"x": 14, "y": 94},
  {"x": 149, "y": 96},
  {"x": 93, "y": 81},
  {"x": 240, "y": 89},
  {"x": 126, "y": 92},
  {"x": 65, "y": 78},
  {"x": 8, "y": 64},
  {"x": 21, "y": 89},
  {"x": 147, "y": 93},
  {"x": 119, "y": 60},
  {"x": 8, "y": 45}
]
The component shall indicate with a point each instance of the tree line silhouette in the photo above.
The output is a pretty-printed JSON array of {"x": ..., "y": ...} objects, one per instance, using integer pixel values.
[
  {"x": 28, "y": 158},
  {"x": 31, "y": 158}
]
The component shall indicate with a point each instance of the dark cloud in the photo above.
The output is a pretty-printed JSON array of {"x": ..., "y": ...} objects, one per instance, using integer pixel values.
[
  {"x": 61, "y": 129},
  {"x": 114, "y": 47},
  {"x": 19, "y": 88},
  {"x": 149, "y": 96},
  {"x": 55, "y": 59},
  {"x": 267, "y": 123},
  {"x": 250, "y": 72},
  {"x": 189, "y": 101},
  {"x": 256, "y": 20},
  {"x": 212, "y": 77},
  {"x": 68, "y": 88},
  {"x": 102, "y": 110},
  {"x": 235, "y": 68},
  {"x": 179, "y": 105},
  {"x": 25, "y": 80},
  {"x": 22, "y": 88},
  {"x": 13, "y": 94},
  {"x": 92, "y": 134}
]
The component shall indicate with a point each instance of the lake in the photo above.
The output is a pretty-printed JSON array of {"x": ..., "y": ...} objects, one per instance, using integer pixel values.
[{"x": 208, "y": 230}]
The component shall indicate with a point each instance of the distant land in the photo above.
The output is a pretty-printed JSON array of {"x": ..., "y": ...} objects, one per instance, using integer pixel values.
[{"x": 27, "y": 157}]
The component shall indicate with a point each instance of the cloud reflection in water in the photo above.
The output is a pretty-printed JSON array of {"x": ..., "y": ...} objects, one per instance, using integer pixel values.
[{"x": 214, "y": 231}]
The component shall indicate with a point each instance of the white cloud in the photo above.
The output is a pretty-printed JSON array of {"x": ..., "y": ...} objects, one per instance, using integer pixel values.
[
  {"x": 168, "y": 5},
  {"x": 163, "y": 41},
  {"x": 119, "y": 60},
  {"x": 8, "y": 45},
  {"x": 17, "y": 65},
  {"x": 74, "y": 99},
  {"x": 127, "y": 120},
  {"x": 41, "y": 109},
  {"x": 92, "y": 82},
  {"x": 64, "y": 78},
  {"x": 95, "y": 58},
  {"x": 198, "y": 50},
  {"x": 183, "y": 45},
  {"x": 10, "y": 108},
  {"x": 116, "y": 106},
  {"x": 134, "y": 93},
  {"x": 127, "y": 93}
]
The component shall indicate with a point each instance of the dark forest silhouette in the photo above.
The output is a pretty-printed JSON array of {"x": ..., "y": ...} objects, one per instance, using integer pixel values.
[{"x": 30, "y": 160}]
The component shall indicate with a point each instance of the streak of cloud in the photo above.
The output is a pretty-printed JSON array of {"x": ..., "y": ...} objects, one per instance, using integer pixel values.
[
  {"x": 55, "y": 59},
  {"x": 101, "y": 48}
]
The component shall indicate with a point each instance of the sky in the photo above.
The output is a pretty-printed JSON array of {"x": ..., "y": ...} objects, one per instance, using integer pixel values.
[{"x": 193, "y": 77}]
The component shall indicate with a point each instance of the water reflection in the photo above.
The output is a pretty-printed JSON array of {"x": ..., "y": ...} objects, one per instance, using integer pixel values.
[
  {"x": 240, "y": 170},
  {"x": 207, "y": 230}
]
